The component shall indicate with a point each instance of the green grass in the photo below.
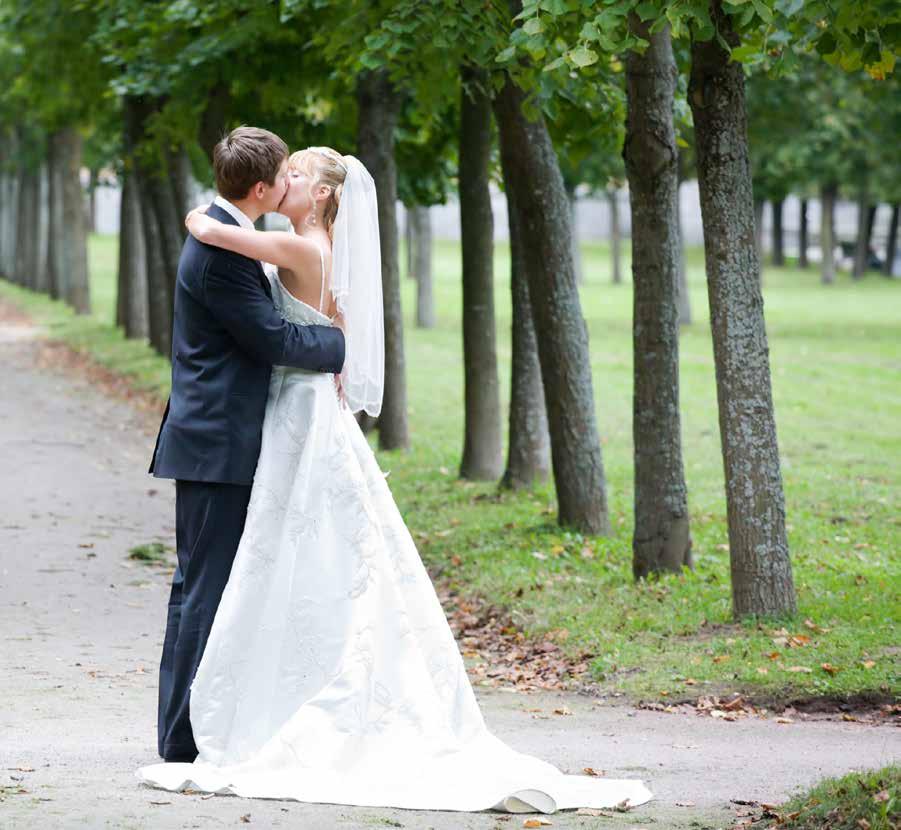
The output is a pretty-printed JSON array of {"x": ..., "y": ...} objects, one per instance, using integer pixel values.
[
  {"x": 836, "y": 356},
  {"x": 870, "y": 799}
]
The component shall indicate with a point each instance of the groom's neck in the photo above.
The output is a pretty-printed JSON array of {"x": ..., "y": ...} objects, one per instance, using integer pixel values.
[{"x": 249, "y": 207}]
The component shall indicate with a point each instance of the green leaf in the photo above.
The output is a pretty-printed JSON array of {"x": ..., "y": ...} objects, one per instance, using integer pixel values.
[
  {"x": 763, "y": 10},
  {"x": 582, "y": 56},
  {"x": 555, "y": 7},
  {"x": 506, "y": 55},
  {"x": 533, "y": 26},
  {"x": 826, "y": 44},
  {"x": 746, "y": 53},
  {"x": 646, "y": 10}
]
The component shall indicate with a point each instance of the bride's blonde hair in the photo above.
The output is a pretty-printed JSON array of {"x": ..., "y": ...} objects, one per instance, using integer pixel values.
[{"x": 324, "y": 166}]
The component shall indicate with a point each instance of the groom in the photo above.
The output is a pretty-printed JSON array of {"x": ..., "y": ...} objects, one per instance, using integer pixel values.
[{"x": 226, "y": 336}]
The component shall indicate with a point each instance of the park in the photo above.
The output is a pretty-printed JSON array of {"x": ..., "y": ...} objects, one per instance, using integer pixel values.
[{"x": 642, "y": 351}]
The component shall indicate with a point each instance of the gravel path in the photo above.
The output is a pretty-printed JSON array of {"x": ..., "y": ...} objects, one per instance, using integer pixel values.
[{"x": 82, "y": 628}]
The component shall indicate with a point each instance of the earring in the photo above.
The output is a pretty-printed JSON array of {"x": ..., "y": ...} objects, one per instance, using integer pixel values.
[{"x": 311, "y": 218}]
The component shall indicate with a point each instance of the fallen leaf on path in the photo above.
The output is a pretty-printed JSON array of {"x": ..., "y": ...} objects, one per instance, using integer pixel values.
[
  {"x": 592, "y": 811},
  {"x": 563, "y": 710},
  {"x": 246, "y": 818},
  {"x": 592, "y": 771},
  {"x": 784, "y": 720},
  {"x": 160, "y": 803},
  {"x": 685, "y": 804},
  {"x": 536, "y": 822}
]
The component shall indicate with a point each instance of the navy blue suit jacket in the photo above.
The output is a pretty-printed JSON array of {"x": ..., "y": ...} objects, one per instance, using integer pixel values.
[{"x": 226, "y": 336}]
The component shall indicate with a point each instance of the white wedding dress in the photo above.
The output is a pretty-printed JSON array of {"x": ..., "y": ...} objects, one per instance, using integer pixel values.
[{"x": 331, "y": 674}]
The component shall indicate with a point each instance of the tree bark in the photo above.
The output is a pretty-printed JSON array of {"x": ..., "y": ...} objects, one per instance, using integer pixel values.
[
  {"x": 482, "y": 445},
  {"x": 615, "y": 237},
  {"x": 532, "y": 175},
  {"x": 891, "y": 243},
  {"x": 420, "y": 222},
  {"x": 577, "y": 249},
  {"x": 74, "y": 237},
  {"x": 861, "y": 249},
  {"x": 803, "y": 236},
  {"x": 661, "y": 540},
  {"x": 778, "y": 234},
  {"x": 761, "y": 569},
  {"x": 827, "y": 233},
  {"x": 132, "y": 312},
  {"x": 378, "y": 106},
  {"x": 529, "y": 443}
]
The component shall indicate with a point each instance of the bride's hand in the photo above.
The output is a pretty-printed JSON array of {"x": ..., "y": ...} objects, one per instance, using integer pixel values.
[
  {"x": 342, "y": 397},
  {"x": 198, "y": 223}
]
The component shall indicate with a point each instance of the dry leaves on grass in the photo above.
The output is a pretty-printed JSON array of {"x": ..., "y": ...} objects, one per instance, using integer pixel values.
[{"x": 503, "y": 656}]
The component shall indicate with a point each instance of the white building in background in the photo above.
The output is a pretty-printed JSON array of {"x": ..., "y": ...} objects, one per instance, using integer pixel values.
[{"x": 593, "y": 219}]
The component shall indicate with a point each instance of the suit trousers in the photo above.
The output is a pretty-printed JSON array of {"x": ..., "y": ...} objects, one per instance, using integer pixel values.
[{"x": 209, "y": 521}]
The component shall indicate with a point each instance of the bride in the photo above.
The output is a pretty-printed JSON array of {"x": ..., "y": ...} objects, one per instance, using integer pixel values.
[{"x": 331, "y": 674}]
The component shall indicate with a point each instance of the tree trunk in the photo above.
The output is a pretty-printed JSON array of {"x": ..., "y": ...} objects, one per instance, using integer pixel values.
[
  {"x": 891, "y": 243},
  {"x": 827, "y": 233},
  {"x": 131, "y": 307},
  {"x": 529, "y": 443},
  {"x": 661, "y": 540},
  {"x": 56, "y": 271},
  {"x": 214, "y": 118},
  {"x": 182, "y": 181},
  {"x": 778, "y": 235},
  {"x": 378, "y": 107},
  {"x": 861, "y": 249},
  {"x": 9, "y": 198},
  {"x": 577, "y": 249},
  {"x": 161, "y": 245},
  {"x": 26, "y": 232},
  {"x": 533, "y": 177},
  {"x": 42, "y": 220},
  {"x": 683, "y": 298},
  {"x": 420, "y": 226},
  {"x": 409, "y": 234},
  {"x": 74, "y": 237},
  {"x": 803, "y": 236},
  {"x": 92, "y": 201},
  {"x": 761, "y": 569},
  {"x": 615, "y": 237},
  {"x": 482, "y": 445}
]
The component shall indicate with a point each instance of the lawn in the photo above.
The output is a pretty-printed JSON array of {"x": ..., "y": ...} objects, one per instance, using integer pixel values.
[{"x": 836, "y": 356}]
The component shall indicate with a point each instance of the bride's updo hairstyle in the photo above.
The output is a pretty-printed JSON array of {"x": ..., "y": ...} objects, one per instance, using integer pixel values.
[{"x": 324, "y": 166}]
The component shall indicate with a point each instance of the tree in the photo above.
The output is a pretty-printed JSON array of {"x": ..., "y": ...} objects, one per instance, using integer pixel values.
[
  {"x": 482, "y": 448},
  {"x": 661, "y": 540},
  {"x": 378, "y": 104},
  {"x": 761, "y": 569},
  {"x": 543, "y": 217}
]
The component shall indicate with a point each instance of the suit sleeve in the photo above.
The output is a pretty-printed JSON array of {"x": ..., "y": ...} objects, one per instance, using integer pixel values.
[{"x": 233, "y": 293}]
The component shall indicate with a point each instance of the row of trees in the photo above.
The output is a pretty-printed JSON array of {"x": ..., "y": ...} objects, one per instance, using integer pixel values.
[{"x": 434, "y": 93}]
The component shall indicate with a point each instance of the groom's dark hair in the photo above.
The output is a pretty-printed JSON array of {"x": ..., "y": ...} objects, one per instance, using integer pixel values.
[{"x": 245, "y": 156}]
